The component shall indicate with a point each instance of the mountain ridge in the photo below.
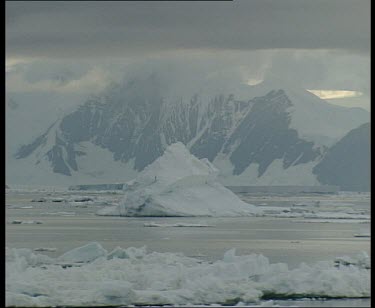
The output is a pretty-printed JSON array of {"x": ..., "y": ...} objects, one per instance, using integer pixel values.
[{"x": 135, "y": 122}]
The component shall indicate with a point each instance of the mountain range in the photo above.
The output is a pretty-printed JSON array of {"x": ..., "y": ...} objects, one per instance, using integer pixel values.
[{"x": 268, "y": 134}]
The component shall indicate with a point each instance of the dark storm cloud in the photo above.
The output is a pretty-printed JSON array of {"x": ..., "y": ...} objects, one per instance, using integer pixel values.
[{"x": 76, "y": 29}]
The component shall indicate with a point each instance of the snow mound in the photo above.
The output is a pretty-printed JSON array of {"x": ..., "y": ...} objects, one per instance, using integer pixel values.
[
  {"x": 133, "y": 276},
  {"x": 179, "y": 184}
]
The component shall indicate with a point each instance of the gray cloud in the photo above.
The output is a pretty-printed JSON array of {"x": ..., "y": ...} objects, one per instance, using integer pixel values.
[
  {"x": 323, "y": 69},
  {"x": 78, "y": 46},
  {"x": 61, "y": 71},
  {"x": 84, "y": 29}
]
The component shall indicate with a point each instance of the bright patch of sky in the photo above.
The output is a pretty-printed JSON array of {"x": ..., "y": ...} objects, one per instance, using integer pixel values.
[{"x": 335, "y": 94}]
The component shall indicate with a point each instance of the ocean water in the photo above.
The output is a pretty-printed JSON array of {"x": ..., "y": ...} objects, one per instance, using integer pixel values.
[{"x": 65, "y": 226}]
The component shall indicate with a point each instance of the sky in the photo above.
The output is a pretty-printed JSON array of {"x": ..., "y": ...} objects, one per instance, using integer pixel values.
[{"x": 74, "y": 49}]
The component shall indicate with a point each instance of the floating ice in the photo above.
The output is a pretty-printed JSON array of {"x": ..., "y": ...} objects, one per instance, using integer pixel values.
[
  {"x": 109, "y": 211},
  {"x": 362, "y": 234},
  {"x": 85, "y": 253},
  {"x": 179, "y": 224},
  {"x": 39, "y": 200},
  {"x": 179, "y": 184},
  {"x": 75, "y": 199},
  {"x": 59, "y": 213},
  {"x": 45, "y": 249},
  {"x": 308, "y": 213},
  {"x": 362, "y": 260},
  {"x": 134, "y": 277},
  {"x": 81, "y": 199},
  {"x": 30, "y": 222},
  {"x": 344, "y": 221},
  {"x": 57, "y": 199}
]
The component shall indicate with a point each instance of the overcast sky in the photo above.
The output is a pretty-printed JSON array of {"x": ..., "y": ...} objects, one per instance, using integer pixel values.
[{"x": 79, "y": 47}]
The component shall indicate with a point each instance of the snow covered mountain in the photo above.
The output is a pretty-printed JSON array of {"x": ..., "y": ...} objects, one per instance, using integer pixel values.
[{"x": 266, "y": 134}]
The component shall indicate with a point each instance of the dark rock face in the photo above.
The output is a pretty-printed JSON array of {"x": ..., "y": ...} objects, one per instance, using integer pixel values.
[
  {"x": 219, "y": 116},
  {"x": 347, "y": 163},
  {"x": 26, "y": 150},
  {"x": 55, "y": 156},
  {"x": 264, "y": 135},
  {"x": 134, "y": 122}
]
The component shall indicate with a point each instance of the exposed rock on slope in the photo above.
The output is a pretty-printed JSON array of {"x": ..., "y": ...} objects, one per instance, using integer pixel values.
[
  {"x": 347, "y": 163},
  {"x": 268, "y": 136}
]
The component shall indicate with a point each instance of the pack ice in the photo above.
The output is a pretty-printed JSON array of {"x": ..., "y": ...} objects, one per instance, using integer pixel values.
[
  {"x": 179, "y": 184},
  {"x": 91, "y": 276}
]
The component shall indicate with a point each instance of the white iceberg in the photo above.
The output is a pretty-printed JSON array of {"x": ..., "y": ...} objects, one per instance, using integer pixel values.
[
  {"x": 132, "y": 276},
  {"x": 179, "y": 184}
]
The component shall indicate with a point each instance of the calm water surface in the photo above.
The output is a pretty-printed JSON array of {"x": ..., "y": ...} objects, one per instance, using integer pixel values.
[{"x": 280, "y": 239}]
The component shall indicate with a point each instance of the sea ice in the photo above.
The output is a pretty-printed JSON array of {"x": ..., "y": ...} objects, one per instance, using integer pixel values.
[
  {"x": 308, "y": 213},
  {"x": 59, "y": 213},
  {"x": 342, "y": 221},
  {"x": 133, "y": 276},
  {"x": 85, "y": 253},
  {"x": 19, "y": 222},
  {"x": 45, "y": 249},
  {"x": 179, "y": 224},
  {"x": 179, "y": 184}
]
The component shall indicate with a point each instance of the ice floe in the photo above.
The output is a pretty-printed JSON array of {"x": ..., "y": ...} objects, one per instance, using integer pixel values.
[
  {"x": 85, "y": 253},
  {"x": 345, "y": 221},
  {"x": 133, "y": 276},
  {"x": 179, "y": 224},
  {"x": 362, "y": 234},
  {"x": 313, "y": 214},
  {"x": 179, "y": 184},
  {"x": 20, "y": 222},
  {"x": 59, "y": 213},
  {"x": 39, "y": 249}
]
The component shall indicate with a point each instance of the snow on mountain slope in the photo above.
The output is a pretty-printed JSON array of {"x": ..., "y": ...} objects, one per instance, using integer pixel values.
[
  {"x": 96, "y": 167},
  {"x": 29, "y": 114},
  {"x": 275, "y": 174},
  {"x": 276, "y": 135},
  {"x": 315, "y": 119}
]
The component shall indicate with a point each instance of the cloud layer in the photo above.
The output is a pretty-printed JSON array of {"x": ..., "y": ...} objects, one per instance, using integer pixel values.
[
  {"x": 80, "y": 47},
  {"x": 73, "y": 29}
]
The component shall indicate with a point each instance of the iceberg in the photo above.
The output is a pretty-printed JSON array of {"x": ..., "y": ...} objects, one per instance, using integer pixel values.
[{"x": 179, "y": 184}]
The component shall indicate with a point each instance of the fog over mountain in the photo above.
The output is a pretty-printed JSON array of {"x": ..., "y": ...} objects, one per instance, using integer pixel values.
[
  {"x": 272, "y": 133},
  {"x": 96, "y": 91}
]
